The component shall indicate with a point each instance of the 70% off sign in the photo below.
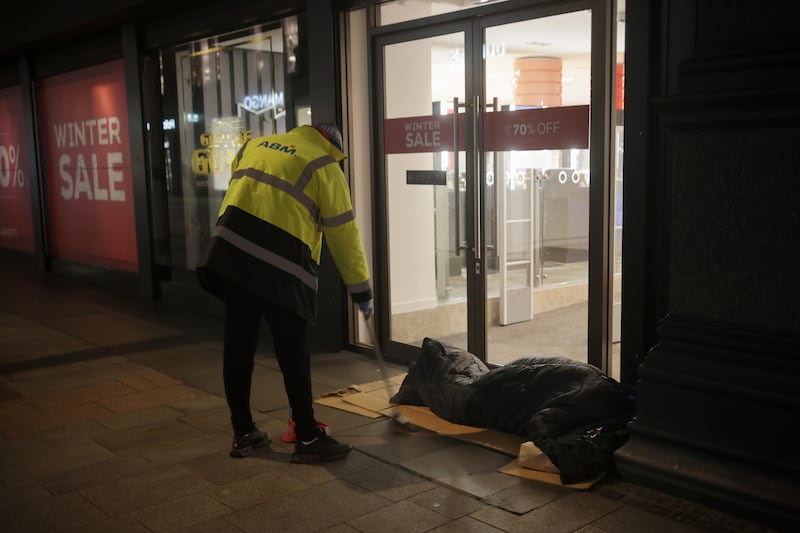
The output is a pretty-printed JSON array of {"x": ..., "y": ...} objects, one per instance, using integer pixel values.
[{"x": 10, "y": 173}]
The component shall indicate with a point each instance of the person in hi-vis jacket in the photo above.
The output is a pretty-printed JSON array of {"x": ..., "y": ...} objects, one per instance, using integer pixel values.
[{"x": 286, "y": 191}]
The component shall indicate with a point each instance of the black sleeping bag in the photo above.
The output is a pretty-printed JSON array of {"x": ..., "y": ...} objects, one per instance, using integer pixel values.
[{"x": 570, "y": 410}]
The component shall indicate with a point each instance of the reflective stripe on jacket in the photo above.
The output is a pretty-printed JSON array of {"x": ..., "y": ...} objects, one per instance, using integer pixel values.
[{"x": 286, "y": 192}]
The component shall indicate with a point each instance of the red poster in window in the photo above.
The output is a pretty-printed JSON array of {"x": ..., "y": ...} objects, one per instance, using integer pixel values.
[
  {"x": 16, "y": 215},
  {"x": 87, "y": 165},
  {"x": 546, "y": 128},
  {"x": 421, "y": 134}
]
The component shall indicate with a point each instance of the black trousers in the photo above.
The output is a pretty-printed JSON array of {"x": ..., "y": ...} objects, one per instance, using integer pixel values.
[{"x": 243, "y": 314}]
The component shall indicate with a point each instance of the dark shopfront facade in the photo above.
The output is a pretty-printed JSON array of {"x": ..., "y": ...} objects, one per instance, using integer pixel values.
[
  {"x": 138, "y": 107},
  {"x": 126, "y": 177}
]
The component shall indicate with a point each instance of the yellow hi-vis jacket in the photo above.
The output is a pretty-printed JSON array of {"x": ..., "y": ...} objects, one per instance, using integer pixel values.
[{"x": 285, "y": 192}]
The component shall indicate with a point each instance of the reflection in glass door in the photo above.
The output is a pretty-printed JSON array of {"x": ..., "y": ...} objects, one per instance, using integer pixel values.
[{"x": 228, "y": 88}]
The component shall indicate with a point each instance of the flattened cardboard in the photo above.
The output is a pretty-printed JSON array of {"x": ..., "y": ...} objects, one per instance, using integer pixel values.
[
  {"x": 355, "y": 400},
  {"x": 514, "y": 469},
  {"x": 379, "y": 387},
  {"x": 488, "y": 438},
  {"x": 422, "y": 417},
  {"x": 499, "y": 441},
  {"x": 531, "y": 457},
  {"x": 371, "y": 400},
  {"x": 367, "y": 399},
  {"x": 340, "y": 403}
]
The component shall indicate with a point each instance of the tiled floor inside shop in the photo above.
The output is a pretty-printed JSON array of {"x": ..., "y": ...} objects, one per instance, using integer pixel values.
[{"x": 112, "y": 418}]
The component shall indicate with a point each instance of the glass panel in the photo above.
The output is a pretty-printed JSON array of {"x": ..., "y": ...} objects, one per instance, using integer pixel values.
[
  {"x": 403, "y": 10},
  {"x": 424, "y": 83},
  {"x": 358, "y": 165},
  {"x": 536, "y": 213},
  {"x": 229, "y": 88},
  {"x": 16, "y": 211},
  {"x": 616, "y": 310}
]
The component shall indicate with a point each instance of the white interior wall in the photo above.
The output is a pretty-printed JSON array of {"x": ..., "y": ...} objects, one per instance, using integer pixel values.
[
  {"x": 411, "y": 218},
  {"x": 357, "y": 122},
  {"x": 392, "y": 12},
  {"x": 576, "y": 79}
]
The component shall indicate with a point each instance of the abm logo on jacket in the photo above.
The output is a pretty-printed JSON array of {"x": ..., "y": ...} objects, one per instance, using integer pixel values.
[{"x": 279, "y": 147}]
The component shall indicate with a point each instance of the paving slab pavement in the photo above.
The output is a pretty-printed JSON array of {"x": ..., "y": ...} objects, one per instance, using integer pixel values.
[{"x": 112, "y": 418}]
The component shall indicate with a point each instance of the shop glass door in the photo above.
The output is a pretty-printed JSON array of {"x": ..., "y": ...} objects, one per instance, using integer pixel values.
[
  {"x": 425, "y": 188},
  {"x": 535, "y": 162},
  {"x": 484, "y": 185}
]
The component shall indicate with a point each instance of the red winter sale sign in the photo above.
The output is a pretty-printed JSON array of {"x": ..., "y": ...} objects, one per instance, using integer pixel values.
[
  {"x": 88, "y": 166},
  {"x": 16, "y": 215}
]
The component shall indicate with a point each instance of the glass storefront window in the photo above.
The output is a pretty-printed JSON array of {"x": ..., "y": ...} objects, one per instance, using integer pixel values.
[
  {"x": 619, "y": 144},
  {"x": 228, "y": 88}
]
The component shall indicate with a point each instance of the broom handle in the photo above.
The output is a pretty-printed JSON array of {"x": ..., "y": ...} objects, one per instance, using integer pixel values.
[{"x": 379, "y": 355}]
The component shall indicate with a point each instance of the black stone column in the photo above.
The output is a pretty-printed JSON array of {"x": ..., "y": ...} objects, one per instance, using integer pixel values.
[{"x": 711, "y": 301}]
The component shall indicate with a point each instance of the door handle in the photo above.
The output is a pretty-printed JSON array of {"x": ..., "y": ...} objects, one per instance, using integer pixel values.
[
  {"x": 478, "y": 181},
  {"x": 456, "y": 179}
]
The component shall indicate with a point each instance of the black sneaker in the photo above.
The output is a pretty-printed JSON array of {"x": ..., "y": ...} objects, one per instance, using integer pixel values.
[
  {"x": 322, "y": 448},
  {"x": 243, "y": 445}
]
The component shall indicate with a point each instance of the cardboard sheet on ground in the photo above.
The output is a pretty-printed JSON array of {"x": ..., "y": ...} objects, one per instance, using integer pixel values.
[
  {"x": 367, "y": 399},
  {"x": 514, "y": 469},
  {"x": 372, "y": 400},
  {"x": 488, "y": 438}
]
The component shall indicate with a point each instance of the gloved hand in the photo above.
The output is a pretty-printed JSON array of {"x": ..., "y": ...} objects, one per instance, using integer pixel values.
[{"x": 366, "y": 308}]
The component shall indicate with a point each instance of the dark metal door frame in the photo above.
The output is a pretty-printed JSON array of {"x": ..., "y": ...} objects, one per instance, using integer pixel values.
[{"x": 601, "y": 162}]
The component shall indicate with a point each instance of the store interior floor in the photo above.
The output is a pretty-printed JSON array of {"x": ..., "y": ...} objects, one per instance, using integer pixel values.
[{"x": 113, "y": 418}]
